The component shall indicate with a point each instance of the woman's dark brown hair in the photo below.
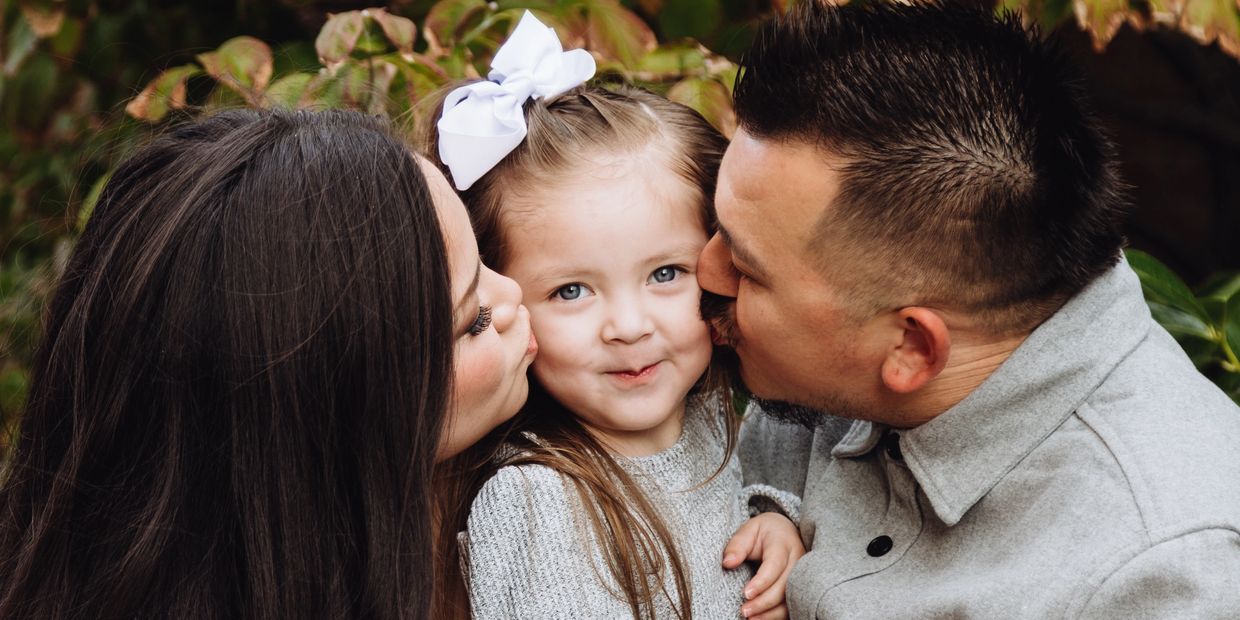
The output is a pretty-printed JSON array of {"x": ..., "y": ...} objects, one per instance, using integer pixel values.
[
  {"x": 245, "y": 372},
  {"x": 562, "y": 130}
]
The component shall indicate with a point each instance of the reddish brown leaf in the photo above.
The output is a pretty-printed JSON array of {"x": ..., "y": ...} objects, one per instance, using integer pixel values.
[
  {"x": 242, "y": 64},
  {"x": 401, "y": 31},
  {"x": 165, "y": 92},
  {"x": 338, "y": 38},
  {"x": 45, "y": 22}
]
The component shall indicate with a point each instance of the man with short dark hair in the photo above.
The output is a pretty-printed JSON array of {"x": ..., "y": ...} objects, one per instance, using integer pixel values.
[{"x": 920, "y": 232}]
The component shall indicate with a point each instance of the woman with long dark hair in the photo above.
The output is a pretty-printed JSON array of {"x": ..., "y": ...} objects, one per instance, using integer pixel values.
[{"x": 273, "y": 326}]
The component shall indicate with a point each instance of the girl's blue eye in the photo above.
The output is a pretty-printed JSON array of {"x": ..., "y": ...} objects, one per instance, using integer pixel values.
[
  {"x": 663, "y": 274},
  {"x": 570, "y": 292}
]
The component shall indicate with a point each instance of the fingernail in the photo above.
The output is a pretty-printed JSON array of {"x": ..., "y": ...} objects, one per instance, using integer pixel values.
[
  {"x": 748, "y": 593},
  {"x": 729, "y": 558},
  {"x": 745, "y": 612}
]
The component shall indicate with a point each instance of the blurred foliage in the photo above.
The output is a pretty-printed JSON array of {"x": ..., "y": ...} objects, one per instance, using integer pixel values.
[
  {"x": 83, "y": 81},
  {"x": 1205, "y": 321},
  {"x": 1207, "y": 21}
]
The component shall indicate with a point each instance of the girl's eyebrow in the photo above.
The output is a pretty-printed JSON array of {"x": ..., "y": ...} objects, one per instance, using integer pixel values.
[{"x": 688, "y": 251}]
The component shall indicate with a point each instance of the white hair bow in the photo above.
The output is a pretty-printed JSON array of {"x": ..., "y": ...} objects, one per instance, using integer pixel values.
[{"x": 483, "y": 122}]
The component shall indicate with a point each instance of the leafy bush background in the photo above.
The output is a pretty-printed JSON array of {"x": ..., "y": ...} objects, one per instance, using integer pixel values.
[{"x": 84, "y": 81}]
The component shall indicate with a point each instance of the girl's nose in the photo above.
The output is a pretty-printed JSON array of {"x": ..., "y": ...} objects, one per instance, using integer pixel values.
[{"x": 627, "y": 320}]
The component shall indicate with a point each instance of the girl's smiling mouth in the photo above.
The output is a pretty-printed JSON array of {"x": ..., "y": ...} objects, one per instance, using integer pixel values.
[{"x": 639, "y": 376}]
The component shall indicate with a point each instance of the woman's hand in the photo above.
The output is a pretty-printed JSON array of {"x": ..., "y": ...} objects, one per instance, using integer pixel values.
[{"x": 772, "y": 540}]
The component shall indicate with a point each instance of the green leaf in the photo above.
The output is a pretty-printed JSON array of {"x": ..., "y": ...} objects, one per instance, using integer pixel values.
[
  {"x": 372, "y": 40},
  {"x": 616, "y": 32},
  {"x": 241, "y": 63},
  {"x": 13, "y": 386},
  {"x": 1205, "y": 354},
  {"x": 696, "y": 19},
  {"x": 338, "y": 38},
  {"x": 1222, "y": 286},
  {"x": 449, "y": 20},
  {"x": 22, "y": 41},
  {"x": 68, "y": 40},
  {"x": 165, "y": 92},
  {"x": 668, "y": 61},
  {"x": 1163, "y": 286},
  {"x": 1178, "y": 322},
  {"x": 1230, "y": 384},
  {"x": 88, "y": 203},
  {"x": 710, "y": 99},
  {"x": 1231, "y": 330},
  {"x": 286, "y": 92}
]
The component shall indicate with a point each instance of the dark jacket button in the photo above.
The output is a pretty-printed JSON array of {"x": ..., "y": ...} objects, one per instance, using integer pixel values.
[
  {"x": 891, "y": 443},
  {"x": 879, "y": 546}
]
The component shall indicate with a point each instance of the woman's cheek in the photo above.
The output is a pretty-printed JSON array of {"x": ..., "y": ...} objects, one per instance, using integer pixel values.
[{"x": 479, "y": 372}]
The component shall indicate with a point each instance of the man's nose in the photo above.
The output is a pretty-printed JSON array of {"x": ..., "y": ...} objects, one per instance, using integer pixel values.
[{"x": 715, "y": 272}]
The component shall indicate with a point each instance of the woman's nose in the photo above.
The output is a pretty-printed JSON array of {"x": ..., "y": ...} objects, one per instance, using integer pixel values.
[
  {"x": 715, "y": 272},
  {"x": 505, "y": 299}
]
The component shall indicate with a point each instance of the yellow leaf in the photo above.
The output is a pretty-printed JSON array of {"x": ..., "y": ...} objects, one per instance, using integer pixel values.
[
  {"x": 1101, "y": 19},
  {"x": 710, "y": 98},
  {"x": 616, "y": 32}
]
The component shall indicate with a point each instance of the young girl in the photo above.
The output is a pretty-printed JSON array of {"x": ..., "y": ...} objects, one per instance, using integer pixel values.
[{"x": 618, "y": 491}]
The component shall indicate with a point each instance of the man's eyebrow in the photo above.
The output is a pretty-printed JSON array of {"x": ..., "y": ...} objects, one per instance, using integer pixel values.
[
  {"x": 741, "y": 252},
  {"x": 469, "y": 292}
]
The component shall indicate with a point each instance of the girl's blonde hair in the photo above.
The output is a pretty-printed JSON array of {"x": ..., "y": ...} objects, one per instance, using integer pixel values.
[{"x": 637, "y": 543}]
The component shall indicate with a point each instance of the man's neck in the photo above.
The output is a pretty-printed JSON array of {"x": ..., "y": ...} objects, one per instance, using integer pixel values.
[{"x": 970, "y": 364}]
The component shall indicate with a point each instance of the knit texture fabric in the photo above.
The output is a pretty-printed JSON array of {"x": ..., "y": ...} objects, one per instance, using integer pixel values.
[{"x": 529, "y": 551}]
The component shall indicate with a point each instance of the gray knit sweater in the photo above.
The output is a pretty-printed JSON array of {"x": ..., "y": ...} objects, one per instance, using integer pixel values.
[{"x": 529, "y": 551}]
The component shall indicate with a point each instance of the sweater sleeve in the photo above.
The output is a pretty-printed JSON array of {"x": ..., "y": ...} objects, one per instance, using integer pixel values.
[
  {"x": 518, "y": 549},
  {"x": 1196, "y": 575}
]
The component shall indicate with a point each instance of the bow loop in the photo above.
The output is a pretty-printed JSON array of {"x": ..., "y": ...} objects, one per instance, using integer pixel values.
[{"x": 483, "y": 122}]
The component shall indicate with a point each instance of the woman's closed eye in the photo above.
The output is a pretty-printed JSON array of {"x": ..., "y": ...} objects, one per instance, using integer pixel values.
[
  {"x": 666, "y": 273},
  {"x": 481, "y": 322},
  {"x": 571, "y": 292}
]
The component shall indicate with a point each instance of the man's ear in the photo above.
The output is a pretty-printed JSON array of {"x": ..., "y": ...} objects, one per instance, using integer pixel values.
[{"x": 921, "y": 352}]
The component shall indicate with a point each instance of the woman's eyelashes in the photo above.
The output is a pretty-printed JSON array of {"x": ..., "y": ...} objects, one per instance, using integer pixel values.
[{"x": 481, "y": 322}]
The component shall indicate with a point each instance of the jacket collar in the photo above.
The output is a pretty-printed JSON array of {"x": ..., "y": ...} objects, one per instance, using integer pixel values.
[{"x": 959, "y": 456}]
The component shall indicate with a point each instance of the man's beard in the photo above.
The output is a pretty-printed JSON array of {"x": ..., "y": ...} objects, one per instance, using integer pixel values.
[{"x": 718, "y": 312}]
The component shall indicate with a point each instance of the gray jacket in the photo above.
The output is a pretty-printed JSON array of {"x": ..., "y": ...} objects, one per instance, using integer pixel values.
[{"x": 1095, "y": 474}]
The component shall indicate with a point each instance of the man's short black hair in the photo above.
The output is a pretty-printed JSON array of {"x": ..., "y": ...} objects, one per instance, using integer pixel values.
[{"x": 973, "y": 172}]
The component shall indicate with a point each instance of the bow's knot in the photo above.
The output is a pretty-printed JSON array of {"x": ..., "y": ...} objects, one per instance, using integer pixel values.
[{"x": 484, "y": 121}]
